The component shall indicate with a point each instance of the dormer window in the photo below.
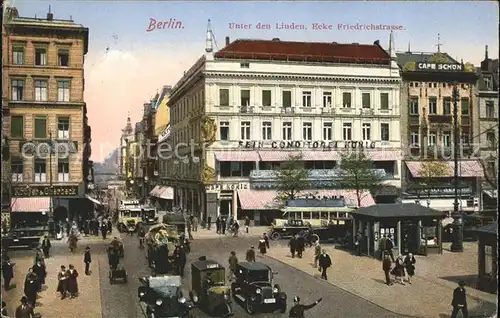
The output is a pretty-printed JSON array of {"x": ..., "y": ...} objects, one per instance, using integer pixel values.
[{"x": 487, "y": 83}]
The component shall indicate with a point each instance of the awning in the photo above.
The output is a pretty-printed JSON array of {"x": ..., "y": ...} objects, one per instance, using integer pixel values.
[
  {"x": 237, "y": 155},
  {"x": 38, "y": 204},
  {"x": 93, "y": 200},
  {"x": 384, "y": 155},
  {"x": 467, "y": 168},
  {"x": 492, "y": 193},
  {"x": 318, "y": 155},
  {"x": 156, "y": 191},
  {"x": 277, "y": 155},
  {"x": 166, "y": 193},
  {"x": 265, "y": 199}
]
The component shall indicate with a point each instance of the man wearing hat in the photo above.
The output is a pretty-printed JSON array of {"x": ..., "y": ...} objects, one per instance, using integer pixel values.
[
  {"x": 25, "y": 310},
  {"x": 250, "y": 257},
  {"x": 297, "y": 311},
  {"x": 459, "y": 301}
]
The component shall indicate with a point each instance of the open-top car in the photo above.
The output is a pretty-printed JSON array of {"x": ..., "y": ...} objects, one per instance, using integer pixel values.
[
  {"x": 161, "y": 240},
  {"x": 208, "y": 279},
  {"x": 255, "y": 289},
  {"x": 162, "y": 297}
]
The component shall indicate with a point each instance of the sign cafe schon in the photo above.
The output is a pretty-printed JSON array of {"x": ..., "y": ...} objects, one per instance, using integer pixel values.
[
  {"x": 44, "y": 191},
  {"x": 441, "y": 67},
  {"x": 296, "y": 144}
]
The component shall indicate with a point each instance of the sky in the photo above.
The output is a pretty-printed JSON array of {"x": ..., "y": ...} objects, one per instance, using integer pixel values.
[{"x": 126, "y": 65}]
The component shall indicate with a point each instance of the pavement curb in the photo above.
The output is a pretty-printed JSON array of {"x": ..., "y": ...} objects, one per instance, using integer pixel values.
[{"x": 344, "y": 289}]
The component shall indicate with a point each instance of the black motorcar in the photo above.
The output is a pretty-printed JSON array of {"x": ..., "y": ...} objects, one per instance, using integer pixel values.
[
  {"x": 24, "y": 237},
  {"x": 254, "y": 287},
  {"x": 163, "y": 297}
]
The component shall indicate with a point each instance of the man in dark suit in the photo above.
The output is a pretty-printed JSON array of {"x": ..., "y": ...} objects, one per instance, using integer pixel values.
[
  {"x": 324, "y": 261},
  {"x": 24, "y": 310},
  {"x": 46, "y": 246},
  {"x": 459, "y": 301}
]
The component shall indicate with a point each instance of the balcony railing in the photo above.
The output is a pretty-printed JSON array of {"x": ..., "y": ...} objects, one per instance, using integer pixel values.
[
  {"x": 414, "y": 120},
  {"x": 440, "y": 119}
]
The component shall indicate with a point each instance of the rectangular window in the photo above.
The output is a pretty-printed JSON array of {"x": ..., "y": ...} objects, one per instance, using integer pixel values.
[
  {"x": 63, "y": 171},
  {"x": 17, "y": 170},
  {"x": 365, "y": 100},
  {"x": 327, "y": 99},
  {"x": 384, "y": 132},
  {"x": 267, "y": 130},
  {"x": 487, "y": 83},
  {"x": 432, "y": 105},
  {"x": 224, "y": 130},
  {"x": 63, "y": 57},
  {"x": 307, "y": 131},
  {"x": 327, "y": 131},
  {"x": 18, "y": 55},
  {"x": 413, "y": 105},
  {"x": 490, "y": 139},
  {"x": 447, "y": 106},
  {"x": 286, "y": 97},
  {"x": 346, "y": 100},
  {"x": 384, "y": 100},
  {"x": 235, "y": 169},
  {"x": 347, "y": 131},
  {"x": 306, "y": 99},
  {"x": 17, "y": 126},
  {"x": 287, "y": 131},
  {"x": 245, "y": 130},
  {"x": 490, "y": 109},
  {"x": 40, "y": 127},
  {"x": 40, "y": 57},
  {"x": 245, "y": 97},
  {"x": 245, "y": 65},
  {"x": 465, "y": 138},
  {"x": 432, "y": 139},
  {"x": 366, "y": 131},
  {"x": 266, "y": 98},
  {"x": 465, "y": 106},
  {"x": 63, "y": 91},
  {"x": 63, "y": 128},
  {"x": 446, "y": 140},
  {"x": 40, "y": 170},
  {"x": 41, "y": 94},
  {"x": 17, "y": 89},
  {"x": 223, "y": 97},
  {"x": 414, "y": 139}
]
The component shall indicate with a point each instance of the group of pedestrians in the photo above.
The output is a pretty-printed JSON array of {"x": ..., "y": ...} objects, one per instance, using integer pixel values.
[
  {"x": 67, "y": 281},
  {"x": 402, "y": 267}
]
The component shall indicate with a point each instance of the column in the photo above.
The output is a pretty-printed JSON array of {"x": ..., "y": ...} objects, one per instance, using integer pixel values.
[
  {"x": 234, "y": 205},
  {"x": 419, "y": 234},
  {"x": 481, "y": 259},
  {"x": 353, "y": 232},
  {"x": 398, "y": 230},
  {"x": 193, "y": 203},
  {"x": 494, "y": 266},
  {"x": 369, "y": 232},
  {"x": 376, "y": 235}
]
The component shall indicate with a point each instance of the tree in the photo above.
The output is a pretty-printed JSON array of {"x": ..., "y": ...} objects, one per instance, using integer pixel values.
[
  {"x": 357, "y": 172},
  {"x": 429, "y": 173},
  {"x": 292, "y": 177},
  {"x": 490, "y": 163}
]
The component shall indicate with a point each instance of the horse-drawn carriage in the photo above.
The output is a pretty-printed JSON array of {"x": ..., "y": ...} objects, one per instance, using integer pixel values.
[{"x": 116, "y": 271}]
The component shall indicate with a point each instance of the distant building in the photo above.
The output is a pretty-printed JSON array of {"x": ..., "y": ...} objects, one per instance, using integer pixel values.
[{"x": 487, "y": 112}]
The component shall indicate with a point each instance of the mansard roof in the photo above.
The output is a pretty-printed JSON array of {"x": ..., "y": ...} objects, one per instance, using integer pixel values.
[
  {"x": 305, "y": 51},
  {"x": 438, "y": 57}
]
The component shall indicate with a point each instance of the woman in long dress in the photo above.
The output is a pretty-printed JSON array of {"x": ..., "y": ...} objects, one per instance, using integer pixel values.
[
  {"x": 262, "y": 246},
  {"x": 410, "y": 266},
  {"x": 62, "y": 285},
  {"x": 72, "y": 281},
  {"x": 399, "y": 269}
]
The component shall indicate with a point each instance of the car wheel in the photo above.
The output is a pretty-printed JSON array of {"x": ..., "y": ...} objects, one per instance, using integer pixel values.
[
  {"x": 249, "y": 306},
  {"x": 275, "y": 236},
  {"x": 315, "y": 238}
]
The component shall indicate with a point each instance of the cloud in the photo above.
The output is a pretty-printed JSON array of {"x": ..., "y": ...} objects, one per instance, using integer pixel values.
[{"x": 119, "y": 82}]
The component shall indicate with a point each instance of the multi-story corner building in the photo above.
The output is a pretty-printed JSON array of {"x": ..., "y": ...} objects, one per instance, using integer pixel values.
[
  {"x": 487, "y": 137},
  {"x": 136, "y": 159},
  {"x": 44, "y": 110},
  {"x": 427, "y": 129},
  {"x": 125, "y": 140},
  {"x": 239, "y": 112}
]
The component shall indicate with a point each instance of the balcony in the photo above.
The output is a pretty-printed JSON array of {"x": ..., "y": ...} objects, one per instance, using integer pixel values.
[
  {"x": 414, "y": 120},
  {"x": 246, "y": 109},
  {"x": 367, "y": 111},
  {"x": 440, "y": 119}
]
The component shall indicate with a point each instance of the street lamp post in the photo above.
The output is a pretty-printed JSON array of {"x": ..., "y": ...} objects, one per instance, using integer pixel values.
[
  {"x": 51, "y": 208},
  {"x": 457, "y": 242}
]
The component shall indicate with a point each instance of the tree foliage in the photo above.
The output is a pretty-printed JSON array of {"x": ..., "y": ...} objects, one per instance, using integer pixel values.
[
  {"x": 357, "y": 172},
  {"x": 430, "y": 171},
  {"x": 490, "y": 163},
  {"x": 292, "y": 178}
]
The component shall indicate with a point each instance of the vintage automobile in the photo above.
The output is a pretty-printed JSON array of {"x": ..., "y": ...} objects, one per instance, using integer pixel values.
[
  {"x": 161, "y": 240},
  {"x": 215, "y": 299},
  {"x": 176, "y": 219},
  {"x": 24, "y": 237},
  {"x": 129, "y": 216},
  {"x": 149, "y": 215},
  {"x": 254, "y": 288},
  {"x": 162, "y": 297},
  {"x": 289, "y": 229}
]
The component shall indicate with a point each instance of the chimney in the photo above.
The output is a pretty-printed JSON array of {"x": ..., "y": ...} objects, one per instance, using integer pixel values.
[
  {"x": 227, "y": 41},
  {"x": 50, "y": 16},
  {"x": 276, "y": 39}
]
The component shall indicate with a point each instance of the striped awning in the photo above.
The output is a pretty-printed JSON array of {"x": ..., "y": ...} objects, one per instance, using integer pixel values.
[
  {"x": 95, "y": 201},
  {"x": 37, "y": 204},
  {"x": 266, "y": 199},
  {"x": 156, "y": 191},
  {"x": 277, "y": 155},
  {"x": 166, "y": 193},
  {"x": 237, "y": 156}
]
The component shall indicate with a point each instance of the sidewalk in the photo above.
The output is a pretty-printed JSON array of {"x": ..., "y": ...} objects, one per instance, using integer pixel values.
[
  {"x": 430, "y": 294},
  {"x": 252, "y": 232},
  {"x": 49, "y": 303}
]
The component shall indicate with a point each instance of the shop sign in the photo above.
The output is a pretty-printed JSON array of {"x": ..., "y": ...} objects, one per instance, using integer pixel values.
[
  {"x": 445, "y": 67},
  {"x": 44, "y": 191},
  {"x": 226, "y": 186},
  {"x": 298, "y": 144},
  {"x": 164, "y": 134},
  {"x": 439, "y": 191}
]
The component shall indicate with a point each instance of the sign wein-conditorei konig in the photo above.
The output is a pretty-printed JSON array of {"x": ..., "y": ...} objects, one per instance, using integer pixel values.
[{"x": 300, "y": 144}]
